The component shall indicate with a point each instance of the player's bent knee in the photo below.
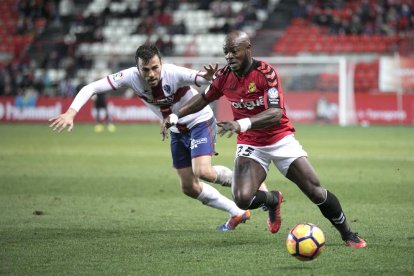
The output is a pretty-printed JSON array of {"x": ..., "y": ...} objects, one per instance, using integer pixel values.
[
  {"x": 317, "y": 194},
  {"x": 242, "y": 201},
  {"x": 189, "y": 191},
  {"x": 205, "y": 173}
]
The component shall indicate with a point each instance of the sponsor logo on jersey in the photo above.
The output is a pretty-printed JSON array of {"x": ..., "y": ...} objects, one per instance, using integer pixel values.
[
  {"x": 195, "y": 142},
  {"x": 273, "y": 93},
  {"x": 273, "y": 96},
  {"x": 118, "y": 76},
  {"x": 252, "y": 87},
  {"x": 250, "y": 104}
]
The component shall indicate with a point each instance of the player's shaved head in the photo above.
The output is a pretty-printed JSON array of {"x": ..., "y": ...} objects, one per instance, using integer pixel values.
[
  {"x": 237, "y": 51},
  {"x": 237, "y": 38}
]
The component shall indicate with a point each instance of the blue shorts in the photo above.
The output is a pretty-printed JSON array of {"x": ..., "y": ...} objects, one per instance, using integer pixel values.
[{"x": 197, "y": 141}]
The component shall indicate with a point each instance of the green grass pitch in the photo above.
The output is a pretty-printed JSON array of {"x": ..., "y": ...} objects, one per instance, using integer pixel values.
[{"x": 111, "y": 204}]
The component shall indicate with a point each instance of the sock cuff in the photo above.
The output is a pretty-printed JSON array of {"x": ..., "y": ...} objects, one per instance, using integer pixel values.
[{"x": 224, "y": 175}]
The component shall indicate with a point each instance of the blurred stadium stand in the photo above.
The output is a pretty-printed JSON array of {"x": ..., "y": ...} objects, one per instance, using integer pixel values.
[{"x": 46, "y": 42}]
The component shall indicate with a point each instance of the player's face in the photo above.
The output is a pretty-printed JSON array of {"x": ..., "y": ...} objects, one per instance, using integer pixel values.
[
  {"x": 150, "y": 70},
  {"x": 237, "y": 56}
]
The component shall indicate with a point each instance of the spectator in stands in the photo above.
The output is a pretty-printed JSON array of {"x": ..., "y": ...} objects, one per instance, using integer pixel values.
[
  {"x": 66, "y": 88},
  {"x": 146, "y": 26},
  {"x": 27, "y": 97},
  {"x": 361, "y": 17},
  {"x": 47, "y": 83},
  {"x": 5, "y": 82},
  {"x": 163, "y": 16},
  {"x": 204, "y": 5},
  {"x": 223, "y": 29},
  {"x": 260, "y": 4},
  {"x": 51, "y": 60},
  {"x": 336, "y": 26},
  {"x": 301, "y": 9},
  {"x": 220, "y": 8},
  {"x": 66, "y": 10},
  {"x": 166, "y": 45},
  {"x": 250, "y": 15},
  {"x": 179, "y": 28},
  {"x": 355, "y": 27}
]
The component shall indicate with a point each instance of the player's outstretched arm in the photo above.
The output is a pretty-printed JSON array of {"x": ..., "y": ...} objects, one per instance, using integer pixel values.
[
  {"x": 64, "y": 120},
  {"x": 263, "y": 119}
]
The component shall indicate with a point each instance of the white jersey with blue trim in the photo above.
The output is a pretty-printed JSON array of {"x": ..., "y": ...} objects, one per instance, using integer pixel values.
[{"x": 171, "y": 93}]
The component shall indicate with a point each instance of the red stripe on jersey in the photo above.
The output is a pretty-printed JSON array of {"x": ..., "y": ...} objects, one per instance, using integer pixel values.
[
  {"x": 271, "y": 75},
  {"x": 262, "y": 66},
  {"x": 180, "y": 93},
  {"x": 157, "y": 92},
  {"x": 273, "y": 83},
  {"x": 158, "y": 95},
  {"x": 110, "y": 83},
  {"x": 266, "y": 70}
]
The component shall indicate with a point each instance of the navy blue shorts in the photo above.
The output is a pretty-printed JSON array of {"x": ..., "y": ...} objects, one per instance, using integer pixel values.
[{"x": 197, "y": 141}]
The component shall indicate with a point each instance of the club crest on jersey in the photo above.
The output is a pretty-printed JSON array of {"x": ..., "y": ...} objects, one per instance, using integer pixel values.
[
  {"x": 252, "y": 87},
  {"x": 118, "y": 76},
  {"x": 167, "y": 89}
]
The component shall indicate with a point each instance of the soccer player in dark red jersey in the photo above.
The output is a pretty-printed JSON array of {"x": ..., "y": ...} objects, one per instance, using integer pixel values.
[{"x": 265, "y": 135}]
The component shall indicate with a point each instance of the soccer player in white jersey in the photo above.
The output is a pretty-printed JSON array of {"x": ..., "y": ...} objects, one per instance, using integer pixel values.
[{"x": 164, "y": 88}]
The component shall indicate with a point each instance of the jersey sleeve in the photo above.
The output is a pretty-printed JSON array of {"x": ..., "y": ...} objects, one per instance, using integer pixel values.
[
  {"x": 99, "y": 86},
  {"x": 111, "y": 82},
  {"x": 213, "y": 91},
  {"x": 120, "y": 79},
  {"x": 186, "y": 76},
  {"x": 272, "y": 91}
]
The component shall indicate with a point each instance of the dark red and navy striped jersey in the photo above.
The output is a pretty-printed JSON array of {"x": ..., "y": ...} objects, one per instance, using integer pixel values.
[{"x": 249, "y": 95}]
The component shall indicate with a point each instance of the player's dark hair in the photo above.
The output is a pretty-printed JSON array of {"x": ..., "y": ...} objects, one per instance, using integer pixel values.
[{"x": 145, "y": 52}]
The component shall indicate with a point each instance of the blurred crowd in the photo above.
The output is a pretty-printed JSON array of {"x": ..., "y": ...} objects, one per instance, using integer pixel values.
[
  {"x": 357, "y": 17},
  {"x": 18, "y": 77}
]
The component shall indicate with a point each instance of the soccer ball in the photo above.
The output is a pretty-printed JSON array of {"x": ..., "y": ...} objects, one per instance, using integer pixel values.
[{"x": 305, "y": 241}]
